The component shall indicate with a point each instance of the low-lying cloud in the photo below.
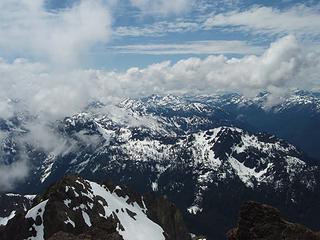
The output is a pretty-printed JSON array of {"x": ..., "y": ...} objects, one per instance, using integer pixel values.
[
  {"x": 53, "y": 95},
  {"x": 10, "y": 175},
  {"x": 285, "y": 64}
]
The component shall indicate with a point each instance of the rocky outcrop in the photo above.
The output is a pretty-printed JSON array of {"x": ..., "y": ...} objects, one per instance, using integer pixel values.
[
  {"x": 263, "y": 222},
  {"x": 75, "y": 208},
  {"x": 11, "y": 204},
  {"x": 167, "y": 215}
]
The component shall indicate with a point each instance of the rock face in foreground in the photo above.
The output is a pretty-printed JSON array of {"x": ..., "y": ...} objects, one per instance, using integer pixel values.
[
  {"x": 75, "y": 208},
  {"x": 263, "y": 222},
  {"x": 11, "y": 204}
]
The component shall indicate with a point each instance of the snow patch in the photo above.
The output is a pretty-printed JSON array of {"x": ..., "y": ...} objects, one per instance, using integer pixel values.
[
  {"x": 86, "y": 218},
  {"x": 5, "y": 220},
  {"x": 33, "y": 213},
  {"x": 194, "y": 210},
  {"x": 71, "y": 222},
  {"x": 246, "y": 174},
  {"x": 154, "y": 186},
  {"x": 147, "y": 228}
]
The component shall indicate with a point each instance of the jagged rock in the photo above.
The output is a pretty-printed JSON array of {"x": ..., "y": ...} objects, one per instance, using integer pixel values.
[
  {"x": 69, "y": 236},
  {"x": 263, "y": 222},
  {"x": 161, "y": 211},
  {"x": 11, "y": 204},
  {"x": 76, "y": 209}
]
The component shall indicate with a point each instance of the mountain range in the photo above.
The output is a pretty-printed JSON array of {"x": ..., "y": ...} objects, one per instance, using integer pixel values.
[{"x": 206, "y": 154}]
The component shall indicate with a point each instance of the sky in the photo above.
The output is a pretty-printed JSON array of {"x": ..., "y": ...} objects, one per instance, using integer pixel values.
[
  {"x": 107, "y": 49},
  {"x": 57, "y": 56},
  {"x": 120, "y": 34}
]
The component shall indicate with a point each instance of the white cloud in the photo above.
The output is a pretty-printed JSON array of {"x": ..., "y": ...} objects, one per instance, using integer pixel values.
[
  {"x": 54, "y": 95},
  {"x": 10, "y": 175},
  {"x": 6, "y": 110},
  {"x": 160, "y": 28},
  {"x": 45, "y": 93},
  {"x": 27, "y": 28},
  {"x": 162, "y": 7},
  {"x": 193, "y": 47},
  {"x": 42, "y": 137},
  {"x": 299, "y": 20},
  {"x": 284, "y": 65}
]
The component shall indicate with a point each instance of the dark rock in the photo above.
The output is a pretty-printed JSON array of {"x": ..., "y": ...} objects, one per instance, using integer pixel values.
[
  {"x": 69, "y": 236},
  {"x": 13, "y": 202},
  {"x": 168, "y": 216},
  {"x": 263, "y": 222}
]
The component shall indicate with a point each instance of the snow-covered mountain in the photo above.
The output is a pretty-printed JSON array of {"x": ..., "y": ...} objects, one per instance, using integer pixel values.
[
  {"x": 296, "y": 118},
  {"x": 77, "y": 207},
  {"x": 207, "y": 154}
]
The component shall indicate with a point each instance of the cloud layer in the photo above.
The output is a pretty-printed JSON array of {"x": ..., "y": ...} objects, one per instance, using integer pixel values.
[
  {"x": 162, "y": 7},
  {"x": 193, "y": 47},
  {"x": 285, "y": 64},
  {"x": 299, "y": 20},
  {"x": 50, "y": 94}
]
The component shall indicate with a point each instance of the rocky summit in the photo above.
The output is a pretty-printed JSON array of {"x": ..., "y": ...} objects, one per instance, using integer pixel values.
[
  {"x": 263, "y": 222},
  {"x": 75, "y": 208}
]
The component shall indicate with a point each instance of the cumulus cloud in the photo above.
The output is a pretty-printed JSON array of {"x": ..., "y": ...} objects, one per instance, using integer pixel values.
[
  {"x": 45, "y": 93},
  {"x": 299, "y": 20},
  {"x": 61, "y": 36},
  {"x": 285, "y": 64},
  {"x": 163, "y": 7},
  {"x": 52, "y": 95}
]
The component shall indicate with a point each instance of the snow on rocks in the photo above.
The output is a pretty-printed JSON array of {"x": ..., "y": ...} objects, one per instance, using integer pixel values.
[
  {"x": 4, "y": 220},
  {"x": 76, "y": 205},
  {"x": 131, "y": 216},
  {"x": 36, "y": 213}
]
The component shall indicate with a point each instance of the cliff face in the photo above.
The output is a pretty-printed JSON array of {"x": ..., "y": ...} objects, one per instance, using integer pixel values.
[
  {"x": 263, "y": 222},
  {"x": 75, "y": 208}
]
